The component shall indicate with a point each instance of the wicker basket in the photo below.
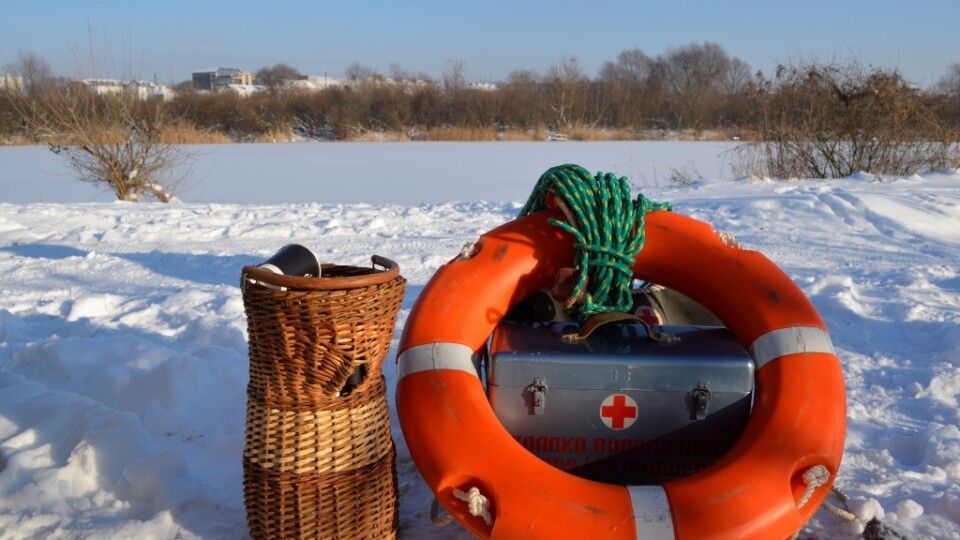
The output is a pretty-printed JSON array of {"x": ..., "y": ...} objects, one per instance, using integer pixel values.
[
  {"x": 319, "y": 460},
  {"x": 307, "y": 336}
]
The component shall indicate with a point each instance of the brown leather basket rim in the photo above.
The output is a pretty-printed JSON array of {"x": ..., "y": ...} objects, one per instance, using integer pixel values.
[{"x": 377, "y": 277}]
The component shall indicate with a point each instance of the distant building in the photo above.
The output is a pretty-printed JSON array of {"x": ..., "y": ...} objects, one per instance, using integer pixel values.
[
  {"x": 482, "y": 87},
  {"x": 242, "y": 90},
  {"x": 215, "y": 80},
  {"x": 140, "y": 89},
  {"x": 13, "y": 83},
  {"x": 149, "y": 90},
  {"x": 103, "y": 87},
  {"x": 322, "y": 82}
]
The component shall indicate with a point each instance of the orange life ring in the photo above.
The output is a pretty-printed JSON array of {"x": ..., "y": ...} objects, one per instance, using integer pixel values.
[{"x": 760, "y": 489}]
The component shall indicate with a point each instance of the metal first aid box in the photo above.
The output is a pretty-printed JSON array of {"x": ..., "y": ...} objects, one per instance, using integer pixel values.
[{"x": 620, "y": 407}]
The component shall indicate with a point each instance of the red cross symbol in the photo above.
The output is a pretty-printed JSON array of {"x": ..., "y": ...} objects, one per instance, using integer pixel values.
[
  {"x": 648, "y": 315},
  {"x": 618, "y": 411}
]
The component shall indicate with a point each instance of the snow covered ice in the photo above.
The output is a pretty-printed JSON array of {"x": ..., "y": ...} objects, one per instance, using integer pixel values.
[{"x": 123, "y": 355}]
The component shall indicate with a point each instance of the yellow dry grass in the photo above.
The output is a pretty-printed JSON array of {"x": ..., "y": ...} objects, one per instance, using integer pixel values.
[
  {"x": 463, "y": 133},
  {"x": 185, "y": 132}
]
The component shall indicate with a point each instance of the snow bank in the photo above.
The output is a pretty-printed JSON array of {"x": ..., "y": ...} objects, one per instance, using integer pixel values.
[{"x": 123, "y": 341}]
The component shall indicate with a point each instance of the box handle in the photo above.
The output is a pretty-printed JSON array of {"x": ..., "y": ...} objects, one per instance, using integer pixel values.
[{"x": 655, "y": 332}]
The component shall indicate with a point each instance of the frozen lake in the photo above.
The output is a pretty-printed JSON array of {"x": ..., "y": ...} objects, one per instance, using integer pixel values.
[{"x": 401, "y": 173}]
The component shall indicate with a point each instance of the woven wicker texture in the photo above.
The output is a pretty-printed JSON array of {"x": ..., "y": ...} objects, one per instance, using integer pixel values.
[
  {"x": 319, "y": 460},
  {"x": 359, "y": 504},
  {"x": 348, "y": 433},
  {"x": 305, "y": 344}
]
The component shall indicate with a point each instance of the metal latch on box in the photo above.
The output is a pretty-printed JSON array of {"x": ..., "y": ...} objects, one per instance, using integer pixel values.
[
  {"x": 701, "y": 396},
  {"x": 539, "y": 391}
]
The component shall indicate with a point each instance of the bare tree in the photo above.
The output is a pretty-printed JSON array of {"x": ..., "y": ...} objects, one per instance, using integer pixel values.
[
  {"x": 35, "y": 71},
  {"x": 632, "y": 67},
  {"x": 737, "y": 77},
  {"x": 949, "y": 83},
  {"x": 359, "y": 73},
  {"x": 397, "y": 73},
  {"x": 947, "y": 92},
  {"x": 455, "y": 74},
  {"x": 694, "y": 78},
  {"x": 524, "y": 99},
  {"x": 276, "y": 77},
  {"x": 566, "y": 80},
  {"x": 111, "y": 140},
  {"x": 626, "y": 89},
  {"x": 523, "y": 76}
]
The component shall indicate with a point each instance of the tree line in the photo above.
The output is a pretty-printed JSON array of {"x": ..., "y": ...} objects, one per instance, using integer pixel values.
[
  {"x": 696, "y": 87},
  {"x": 807, "y": 119}
]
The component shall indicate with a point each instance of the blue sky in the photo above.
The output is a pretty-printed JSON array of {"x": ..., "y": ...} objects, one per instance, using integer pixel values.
[{"x": 168, "y": 39}]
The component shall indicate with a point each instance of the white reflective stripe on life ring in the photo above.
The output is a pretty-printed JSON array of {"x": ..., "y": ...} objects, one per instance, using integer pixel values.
[
  {"x": 651, "y": 513},
  {"x": 435, "y": 356},
  {"x": 792, "y": 340}
]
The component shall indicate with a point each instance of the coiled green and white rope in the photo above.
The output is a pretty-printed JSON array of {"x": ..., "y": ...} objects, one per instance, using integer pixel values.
[{"x": 608, "y": 228}]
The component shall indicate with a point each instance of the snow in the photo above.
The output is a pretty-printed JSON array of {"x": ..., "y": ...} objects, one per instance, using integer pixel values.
[
  {"x": 123, "y": 354},
  {"x": 397, "y": 173}
]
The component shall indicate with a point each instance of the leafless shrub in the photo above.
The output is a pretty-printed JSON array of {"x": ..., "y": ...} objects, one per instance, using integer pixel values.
[
  {"x": 111, "y": 140},
  {"x": 947, "y": 95},
  {"x": 10, "y": 124},
  {"x": 685, "y": 175},
  {"x": 830, "y": 121}
]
